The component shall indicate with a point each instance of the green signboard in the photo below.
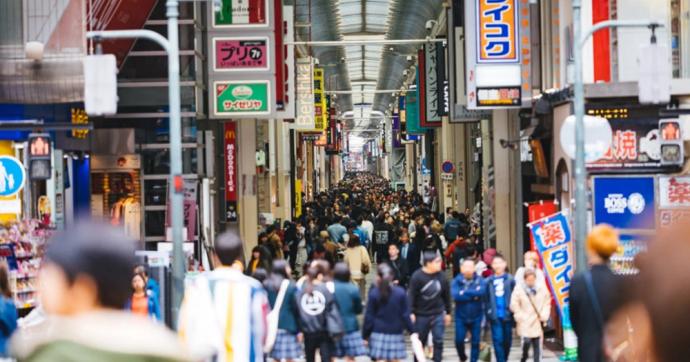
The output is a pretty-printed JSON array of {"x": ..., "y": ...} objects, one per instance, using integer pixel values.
[
  {"x": 412, "y": 99},
  {"x": 241, "y": 13},
  {"x": 242, "y": 98}
]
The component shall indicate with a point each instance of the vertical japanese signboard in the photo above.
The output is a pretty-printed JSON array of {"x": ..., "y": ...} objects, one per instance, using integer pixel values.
[
  {"x": 320, "y": 110},
  {"x": 240, "y": 54},
  {"x": 230, "y": 151},
  {"x": 674, "y": 201},
  {"x": 242, "y": 13},
  {"x": 553, "y": 240},
  {"x": 496, "y": 44}
]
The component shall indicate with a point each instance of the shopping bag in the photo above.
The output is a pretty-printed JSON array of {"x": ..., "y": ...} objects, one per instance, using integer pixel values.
[
  {"x": 417, "y": 348},
  {"x": 485, "y": 352}
]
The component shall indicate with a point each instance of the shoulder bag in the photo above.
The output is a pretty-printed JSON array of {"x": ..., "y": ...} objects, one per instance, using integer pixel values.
[{"x": 273, "y": 317}]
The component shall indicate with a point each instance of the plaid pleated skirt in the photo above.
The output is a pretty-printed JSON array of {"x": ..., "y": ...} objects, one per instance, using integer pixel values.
[
  {"x": 286, "y": 346},
  {"x": 351, "y": 345},
  {"x": 387, "y": 346}
]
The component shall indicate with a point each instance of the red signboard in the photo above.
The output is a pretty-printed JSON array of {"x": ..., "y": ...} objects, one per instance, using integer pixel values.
[
  {"x": 230, "y": 149},
  {"x": 241, "y": 54},
  {"x": 538, "y": 211}
]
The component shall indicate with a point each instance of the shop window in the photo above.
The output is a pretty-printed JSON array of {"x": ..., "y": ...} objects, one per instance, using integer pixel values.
[
  {"x": 155, "y": 192},
  {"x": 155, "y": 224},
  {"x": 157, "y": 162}
]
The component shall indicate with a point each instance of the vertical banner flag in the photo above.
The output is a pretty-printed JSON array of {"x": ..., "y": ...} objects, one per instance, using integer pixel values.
[
  {"x": 554, "y": 242},
  {"x": 305, "y": 95},
  {"x": 230, "y": 150},
  {"x": 537, "y": 211}
]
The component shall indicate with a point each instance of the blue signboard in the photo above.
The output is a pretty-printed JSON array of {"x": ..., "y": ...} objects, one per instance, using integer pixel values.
[
  {"x": 12, "y": 176},
  {"x": 625, "y": 203}
]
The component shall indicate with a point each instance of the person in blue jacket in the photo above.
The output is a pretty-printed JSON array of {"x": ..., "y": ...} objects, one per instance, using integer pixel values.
[
  {"x": 350, "y": 305},
  {"x": 468, "y": 291},
  {"x": 143, "y": 301},
  {"x": 287, "y": 346},
  {"x": 8, "y": 311},
  {"x": 497, "y": 302}
]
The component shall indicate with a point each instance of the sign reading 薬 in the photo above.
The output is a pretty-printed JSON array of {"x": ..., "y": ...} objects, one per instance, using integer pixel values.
[{"x": 553, "y": 240}]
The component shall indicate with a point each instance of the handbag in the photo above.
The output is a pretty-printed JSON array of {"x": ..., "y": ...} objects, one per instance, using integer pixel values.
[
  {"x": 273, "y": 317},
  {"x": 485, "y": 352},
  {"x": 365, "y": 267},
  {"x": 334, "y": 323},
  {"x": 545, "y": 328}
]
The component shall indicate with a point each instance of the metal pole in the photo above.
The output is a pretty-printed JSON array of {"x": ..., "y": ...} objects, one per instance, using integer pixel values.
[
  {"x": 326, "y": 43},
  {"x": 579, "y": 104},
  {"x": 176, "y": 196},
  {"x": 580, "y": 177},
  {"x": 171, "y": 46}
]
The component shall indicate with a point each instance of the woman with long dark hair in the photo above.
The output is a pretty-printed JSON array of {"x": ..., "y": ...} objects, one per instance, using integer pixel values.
[
  {"x": 387, "y": 317},
  {"x": 287, "y": 341}
]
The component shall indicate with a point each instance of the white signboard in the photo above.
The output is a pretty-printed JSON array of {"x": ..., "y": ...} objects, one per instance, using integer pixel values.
[
  {"x": 674, "y": 192},
  {"x": 304, "y": 112}
]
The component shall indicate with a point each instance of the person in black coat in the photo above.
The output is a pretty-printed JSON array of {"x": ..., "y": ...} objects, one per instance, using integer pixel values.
[{"x": 589, "y": 314}]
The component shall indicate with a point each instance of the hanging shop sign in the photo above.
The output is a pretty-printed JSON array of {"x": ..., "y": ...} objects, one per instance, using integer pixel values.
[
  {"x": 12, "y": 176},
  {"x": 412, "y": 121},
  {"x": 230, "y": 151},
  {"x": 497, "y": 49},
  {"x": 241, "y": 54},
  {"x": 428, "y": 85},
  {"x": 320, "y": 110},
  {"x": 627, "y": 203},
  {"x": 554, "y": 242},
  {"x": 305, "y": 110},
  {"x": 635, "y": 144},
  {"x": 674, "y": 201},
  {"x": 537, "y": 211},
  {"x": 241, "y": 13},
  {"x": 242, "y": 98}
]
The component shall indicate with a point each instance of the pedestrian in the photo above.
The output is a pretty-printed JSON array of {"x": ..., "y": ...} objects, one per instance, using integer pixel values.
[
  {"x": 468, "y": 290},
  {"x": 85, "y": 282},
  {"x": 337, "y": 230},
  {"x": 151, "y": 284},
  {"x": 8, "y": 311},
  {"x": 223, "y": 314},
  {"x": 143, "y": 302},
  {"x": 500, "y": 287},
  {"x": 357, "y": 258},
  {"x": 398, "y": 265},
  {"x": 531, "y": 307},
  {"x": 383, "y": 235},
  {"x": 287, "y": 344},
  {"x": 531, "y": 261},
  {"x": 596, "y": 294},
  {"x": 387, "y": 318},
  {"x": 257, "y": 261},
  {"x": 350, "y": 306},
  {"x": 429, "y": 295},
  {"x": 318, "y": 316}
]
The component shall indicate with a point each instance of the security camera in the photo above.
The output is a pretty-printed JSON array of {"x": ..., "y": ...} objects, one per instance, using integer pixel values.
[
  {"x": 409, "y": 58},
  {"x": 430, "y": 24},
  {"x": 405, "y": 72}
]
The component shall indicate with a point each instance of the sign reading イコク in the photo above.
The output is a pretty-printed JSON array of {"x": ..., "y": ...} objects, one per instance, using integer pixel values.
[
  {"x": 497, "y": 35},
  {"x": 242, "y": 98},
  {"x": 233, "y": 54}
]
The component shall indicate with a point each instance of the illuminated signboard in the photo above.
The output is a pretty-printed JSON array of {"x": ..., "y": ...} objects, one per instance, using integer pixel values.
[
  {"x": 504, "y": 96},
  {"x": 497, "y": 31}
]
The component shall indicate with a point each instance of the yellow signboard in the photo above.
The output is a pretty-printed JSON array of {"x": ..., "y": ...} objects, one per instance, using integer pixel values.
[
  {"x": 320, "y": 110},
  {"x": 298, "y": 198}
]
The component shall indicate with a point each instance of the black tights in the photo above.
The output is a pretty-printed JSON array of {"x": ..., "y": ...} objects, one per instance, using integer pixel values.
[{"x": 321, "y": 341}]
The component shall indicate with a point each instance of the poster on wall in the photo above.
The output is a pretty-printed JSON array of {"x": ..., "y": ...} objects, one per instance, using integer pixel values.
[
  {"x": 230, "y": 166},
  {"x": 626, "y": 203},
  {"x": 241, "y": 13},
  {"x": 554, "y": 243},
  {"x": 241, "y": 54},
  {"x": 235, "y": 98}
]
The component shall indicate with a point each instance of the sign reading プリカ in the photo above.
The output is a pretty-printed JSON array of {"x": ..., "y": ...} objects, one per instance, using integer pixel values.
[
  {"x": 241, "y": 54},
  {"x": 242, "y": 98}
]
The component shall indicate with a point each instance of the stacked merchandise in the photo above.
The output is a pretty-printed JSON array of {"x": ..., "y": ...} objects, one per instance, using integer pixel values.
[
  {"x": 623, "y": 261},
  {"x": 21, "y": 246}
]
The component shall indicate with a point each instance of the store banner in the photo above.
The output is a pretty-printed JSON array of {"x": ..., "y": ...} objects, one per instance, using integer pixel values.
[
  {"x": 230, "y": 164},
  {"x": 537, "y": 211},
  {"x": 554, "y": 243},
  {"x": 626, "y": 203},
  {"x": 241, "y": 54},
  {"x": 443, "y": 91},
  {"x": 412, "y": 121},
  {"x": 235, "y": 98},
  {"x": 429, "y": 84},
  {"x": 674, "y": 201},
  {"x": 305, "y": 110},
  {"x": 241, "y": 13},
  {"x": 189, "y": 206},
  {"x": 320, "y": 110},
  {"x": 298, "y": 198},
  {"x": 493, "y": 53},
  {"x": 635, "y": 144}
]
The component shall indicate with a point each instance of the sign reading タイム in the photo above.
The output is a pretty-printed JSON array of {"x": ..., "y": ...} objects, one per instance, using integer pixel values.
[
  {"x": 242, "y": 98},
  {"x": 553, "y": 241},
  {"x": 241, "y": 54},
  {"x": 241, "y": 13}
]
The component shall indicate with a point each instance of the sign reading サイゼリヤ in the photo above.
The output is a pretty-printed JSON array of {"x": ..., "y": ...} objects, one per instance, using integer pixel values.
[{"x": 242, "y": 98}]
